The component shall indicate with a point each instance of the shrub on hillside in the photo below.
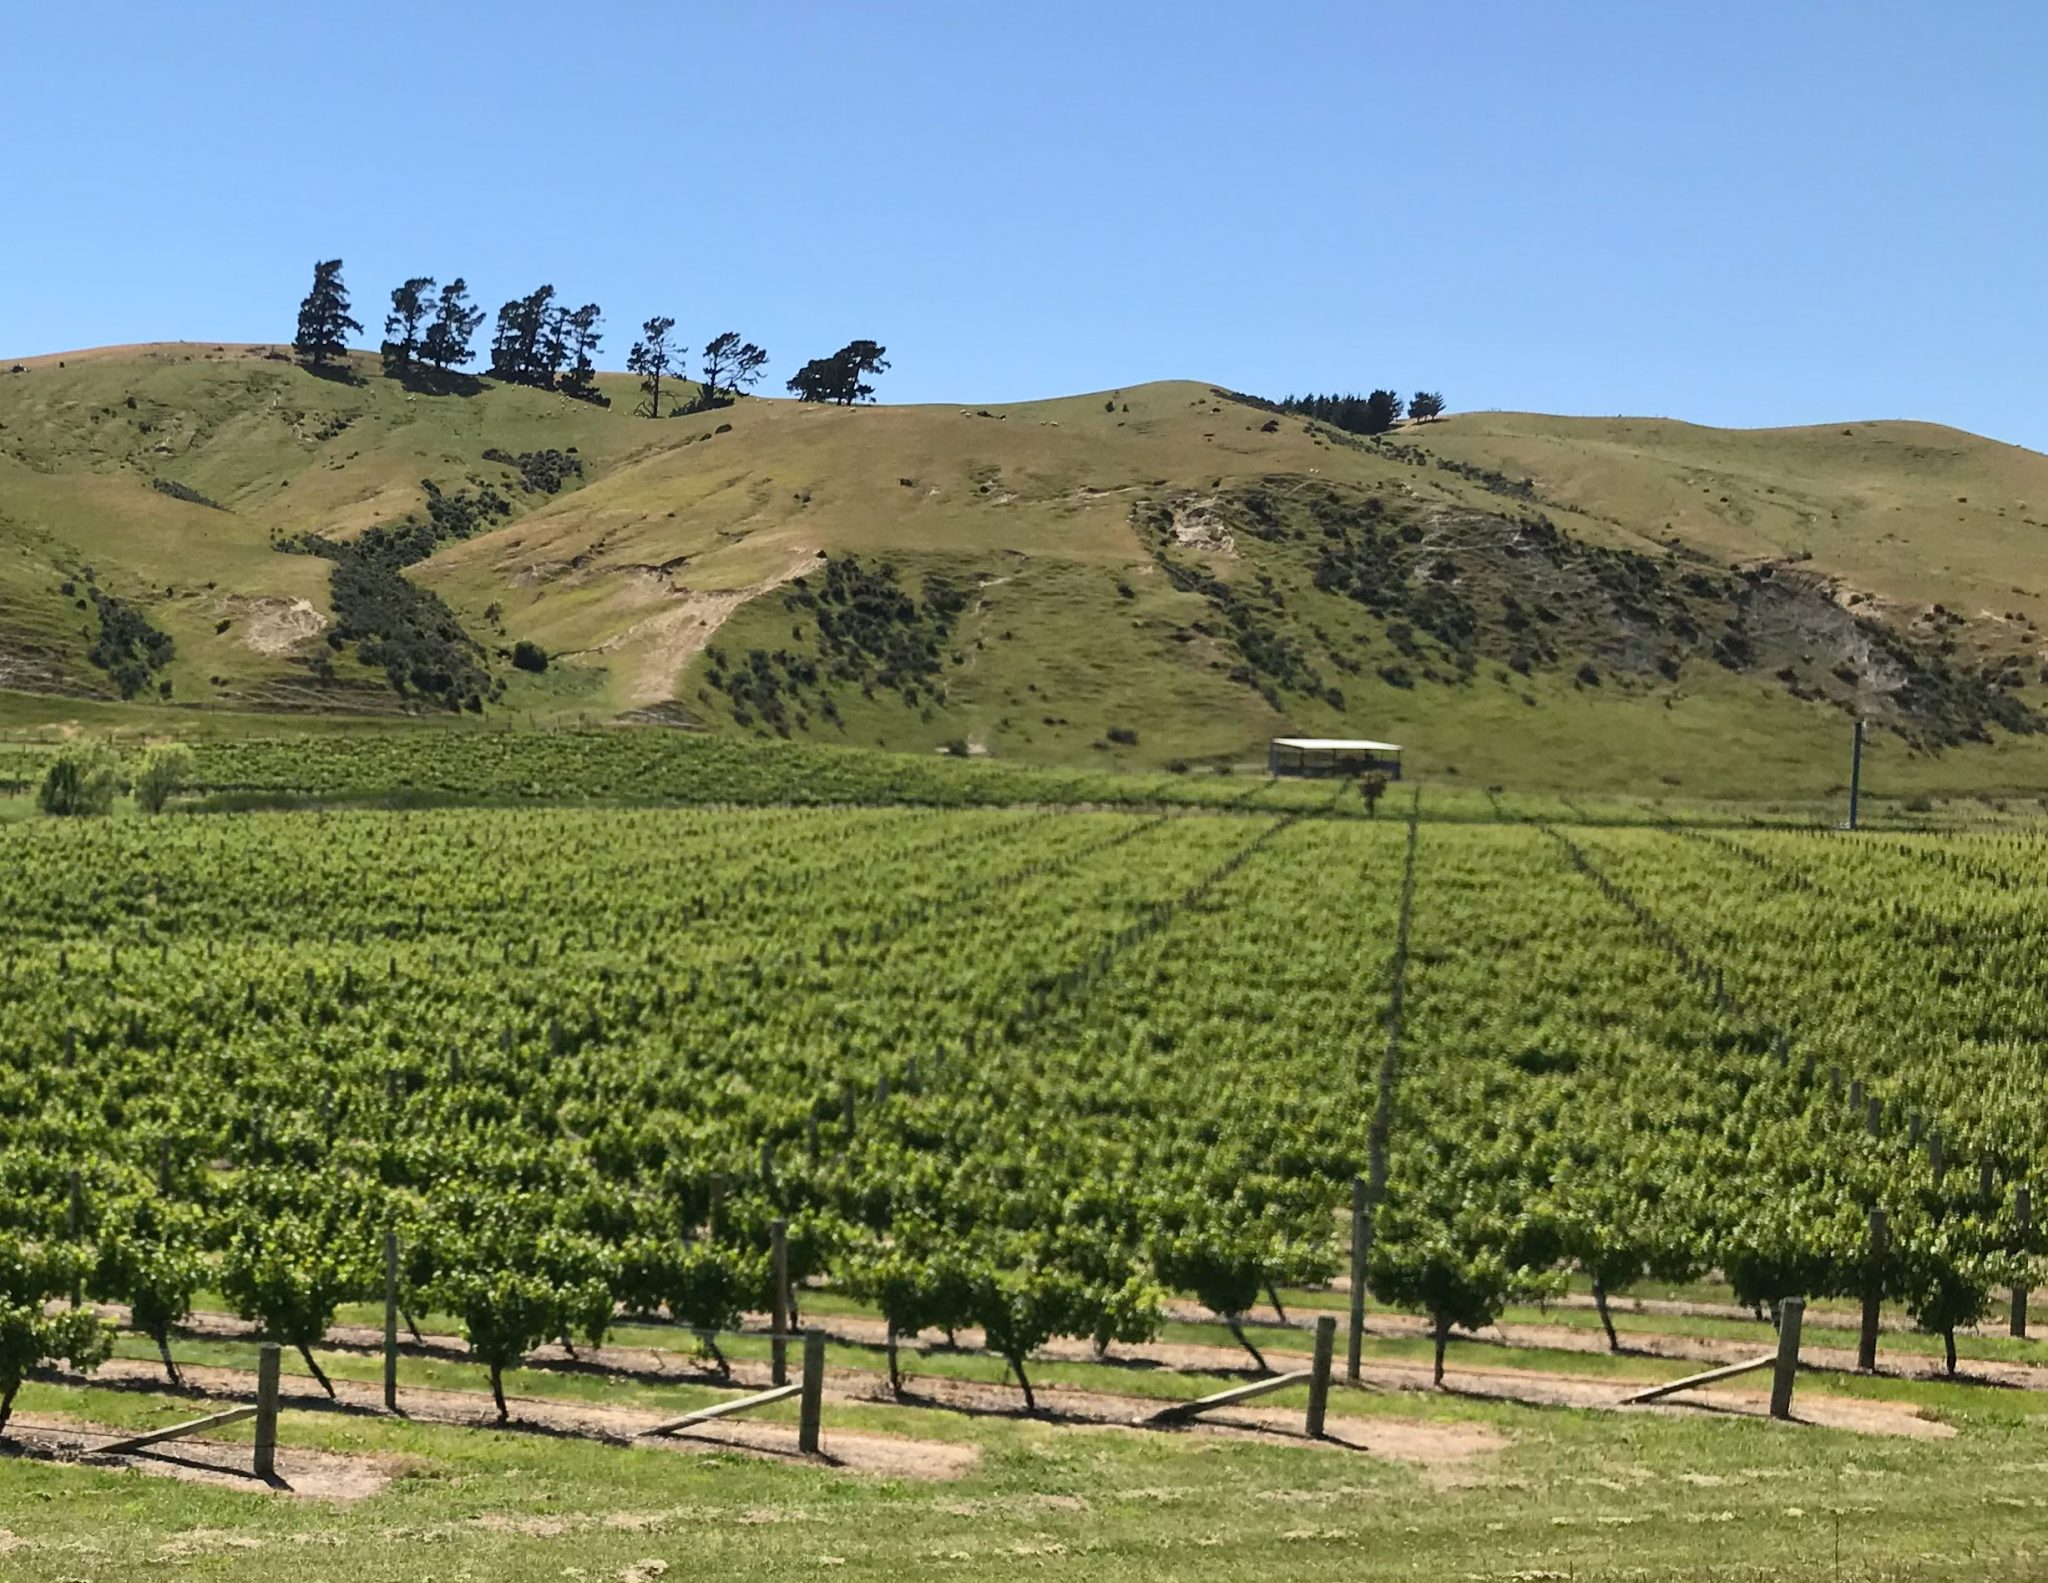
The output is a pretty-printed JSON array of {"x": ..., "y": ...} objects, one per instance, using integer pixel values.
[{"x": 527, "y": 656}]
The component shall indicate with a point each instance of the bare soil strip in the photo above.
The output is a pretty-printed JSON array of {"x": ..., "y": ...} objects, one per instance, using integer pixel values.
[{"x": 301, "y": 1471}]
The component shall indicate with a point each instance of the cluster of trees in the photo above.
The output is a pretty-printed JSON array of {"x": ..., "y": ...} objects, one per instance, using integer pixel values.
[
  {"x": 1369, "y": 414},
  {"x": 430, "y": 325},
  {"x": 548, "y": 345},
  {"x": 842, "y": 376},
  {"x": 732, "y": 366}
]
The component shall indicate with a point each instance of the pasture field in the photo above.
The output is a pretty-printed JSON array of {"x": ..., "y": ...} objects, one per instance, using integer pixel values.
[
  {"x": 1062, "y": 1108},
  {"x": 1125, "y": 580}
]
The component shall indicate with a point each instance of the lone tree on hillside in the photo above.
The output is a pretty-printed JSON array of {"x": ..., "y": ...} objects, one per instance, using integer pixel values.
[
  {"x": 323, "y": 318},
  {"x": 732, "y": 363},
  {"x": 412, "y": 305},
  {"x": 455, "y": 325},
  {"x": 653, "y": 358},
  {"x": 838, "y": 377},
  {"x": 1426, "y": 404}
]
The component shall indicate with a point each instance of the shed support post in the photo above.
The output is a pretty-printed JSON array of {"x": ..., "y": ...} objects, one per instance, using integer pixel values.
[{"x": 1856, "y": 775}]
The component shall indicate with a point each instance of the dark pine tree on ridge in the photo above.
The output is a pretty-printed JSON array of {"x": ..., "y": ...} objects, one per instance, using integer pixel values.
[
  {"x": 653, "y": 358},
  {"x": 838, "y": 377},
  {"x": 324, "y": 320}
]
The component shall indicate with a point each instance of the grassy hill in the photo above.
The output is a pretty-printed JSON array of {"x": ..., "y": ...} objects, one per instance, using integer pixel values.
[{"x": 1137, "y": 578}]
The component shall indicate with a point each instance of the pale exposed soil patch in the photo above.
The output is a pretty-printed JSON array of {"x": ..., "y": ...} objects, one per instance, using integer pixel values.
[
  {"x": 301, "y": 1471},
  {"x": 885, "y": 1456},
  {"x": 659, "y": 647},
  {"x": 1197, "y": 527},
  {"x": 1445, "y": 1452},
  {"x": 276, "y": 626}
]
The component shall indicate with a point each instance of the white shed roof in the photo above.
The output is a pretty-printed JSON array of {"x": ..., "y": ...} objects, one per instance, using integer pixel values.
[{"x": 1336, "y": 745}]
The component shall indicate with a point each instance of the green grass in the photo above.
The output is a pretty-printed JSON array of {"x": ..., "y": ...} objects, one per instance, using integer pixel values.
[{"x": 1543, "y": 1491}]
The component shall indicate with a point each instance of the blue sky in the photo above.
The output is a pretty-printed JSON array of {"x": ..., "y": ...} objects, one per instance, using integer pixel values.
[{"x": 1739, "y": 213}]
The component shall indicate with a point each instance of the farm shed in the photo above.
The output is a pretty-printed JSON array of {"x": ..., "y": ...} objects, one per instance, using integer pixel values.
[{"x": 1332, "y": 756}]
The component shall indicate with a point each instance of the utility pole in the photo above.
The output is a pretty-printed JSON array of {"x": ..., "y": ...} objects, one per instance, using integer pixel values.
[{"x": 1856, "y": 775}]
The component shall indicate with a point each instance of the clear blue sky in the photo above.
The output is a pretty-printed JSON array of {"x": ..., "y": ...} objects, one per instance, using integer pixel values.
[{"x": 1743, "y": 213}]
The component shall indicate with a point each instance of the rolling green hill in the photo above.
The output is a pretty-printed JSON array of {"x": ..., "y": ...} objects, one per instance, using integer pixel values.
[{"x": 1137, "y": 578}]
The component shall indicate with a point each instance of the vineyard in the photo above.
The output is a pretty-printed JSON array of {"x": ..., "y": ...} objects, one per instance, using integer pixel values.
[{"x": 1075, "y": 1083}]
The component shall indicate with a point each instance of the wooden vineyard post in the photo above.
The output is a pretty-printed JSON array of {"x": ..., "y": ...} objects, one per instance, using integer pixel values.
[
  {"x": 2023, "y": 1209},
  {"x": 778, "y": 1278},
  {"x": 1319, "y": 1374},
  {"x": 1354, "y": 1344},
  {"x": 717, "y": 1210},
  {"x": 391, "y": 1321},
  {"x": 1791, "y": 1313},
  {"x": 1873, "y": 1291},
  {"x": 268, "y": 1357},
  {"x": 810, "y": 1405}
]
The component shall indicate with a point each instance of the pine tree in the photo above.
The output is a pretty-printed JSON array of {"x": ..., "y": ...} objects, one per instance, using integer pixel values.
[
  {"x": 732, "y": 363},
  {"x": 554, "y": 347},
  {"x": 519, "y": 349},
  {"x": 1426, "y": 404},
  {"x": 455, "y": 325},
  {"x": 582, "y": 336},
  {"x": 838, "y": 377},
  {"x": 652, "y": 358},
  {"x": 412, "y": 304},
  {"x": 323, "y": 318}
]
